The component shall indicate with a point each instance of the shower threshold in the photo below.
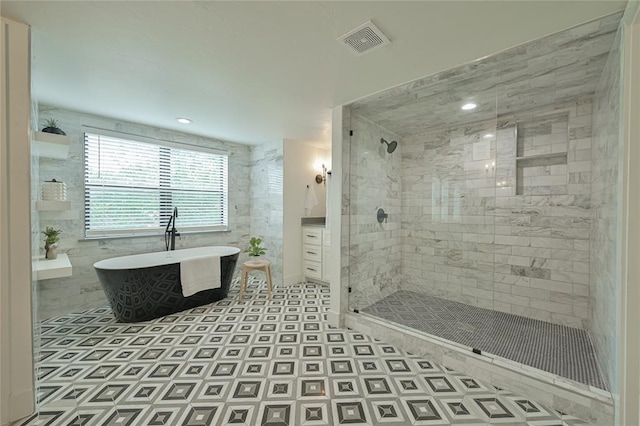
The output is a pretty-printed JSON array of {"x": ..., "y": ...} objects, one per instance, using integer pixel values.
[{"x": 560, "y": 350}]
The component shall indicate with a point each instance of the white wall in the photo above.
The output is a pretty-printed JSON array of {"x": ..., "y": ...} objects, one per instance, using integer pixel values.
[
  {"x": 16, "y": 362},
  {"x": 301, "y": 165}
]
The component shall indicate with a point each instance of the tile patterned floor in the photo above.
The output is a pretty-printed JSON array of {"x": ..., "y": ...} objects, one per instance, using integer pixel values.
[
  {"x": 565, "y": 351},
  {"x": 255, "y": 362}
]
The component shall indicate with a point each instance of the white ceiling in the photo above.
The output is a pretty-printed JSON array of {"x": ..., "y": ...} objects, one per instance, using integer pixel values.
[{"x": 254, "y": 72}]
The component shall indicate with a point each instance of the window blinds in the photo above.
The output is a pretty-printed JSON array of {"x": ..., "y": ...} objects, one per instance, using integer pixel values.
[{"x": 131, "y": 187}]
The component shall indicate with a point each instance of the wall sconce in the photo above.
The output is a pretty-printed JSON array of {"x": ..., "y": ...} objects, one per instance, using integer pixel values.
[
  {"x": 491, "y": 171},
  {"x": 322, "y": 178}
]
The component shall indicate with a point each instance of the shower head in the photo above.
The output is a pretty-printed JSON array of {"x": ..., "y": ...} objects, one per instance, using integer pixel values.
[{"x": 390, "y": 146}]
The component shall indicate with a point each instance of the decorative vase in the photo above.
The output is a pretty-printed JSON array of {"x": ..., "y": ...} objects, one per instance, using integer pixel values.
[
  {"x": 53, "y": 190},
  {"x": 255, "y": 259},
  {"x": 54, "y": 130},
  {"x": 51, "y": 251}
]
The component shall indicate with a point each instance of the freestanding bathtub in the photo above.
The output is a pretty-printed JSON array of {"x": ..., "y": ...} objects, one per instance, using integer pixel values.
[{"x": 141, "y": 287}]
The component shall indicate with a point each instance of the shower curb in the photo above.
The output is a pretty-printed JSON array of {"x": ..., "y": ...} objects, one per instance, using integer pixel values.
[{"x": 583, "y": 401}]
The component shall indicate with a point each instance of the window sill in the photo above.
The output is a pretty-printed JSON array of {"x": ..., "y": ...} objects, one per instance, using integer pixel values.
[{"x": 127, "y": 237}]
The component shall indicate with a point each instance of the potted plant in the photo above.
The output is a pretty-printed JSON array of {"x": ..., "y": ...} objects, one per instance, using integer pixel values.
[
  {"x": 52, "y": 237},
  {"x": 52, "y": 127},
  {"x": 255, "y": 250}
]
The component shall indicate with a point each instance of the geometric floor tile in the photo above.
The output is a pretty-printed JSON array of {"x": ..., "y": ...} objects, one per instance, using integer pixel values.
[
  {"x": 313, "y": 414},
  {"x": 200, "y": 415},
  {"x": 422, "y": 410},
  {"x": 387, "y": 412},
  {"x": 258, "y": 361},
  {"x": 493, "y": 408},
  {"x": 350, "y": 412},
  {"x": 276, "y": 414}
]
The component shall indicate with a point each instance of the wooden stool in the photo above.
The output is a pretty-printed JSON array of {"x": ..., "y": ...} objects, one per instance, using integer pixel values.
[{"x": 255, "y": 265}]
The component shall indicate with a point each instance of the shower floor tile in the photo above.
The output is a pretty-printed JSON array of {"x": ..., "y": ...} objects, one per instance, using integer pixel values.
[
  {"x": 565, "y": 351},
  {"x": 258, "y": 361}
]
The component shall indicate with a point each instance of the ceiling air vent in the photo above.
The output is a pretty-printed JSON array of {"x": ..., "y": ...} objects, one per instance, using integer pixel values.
[{"x": 364, "y": 39}]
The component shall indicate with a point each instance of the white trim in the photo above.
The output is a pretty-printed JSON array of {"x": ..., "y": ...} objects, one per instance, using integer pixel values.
[
  {"x": 150, "y": 232},
  {"x": 628, "y": 409},
  {"x": 17, "y": 393},
  {"x": 22, "y": 403},
  {"x": 292, "y": 279},
  {"x": 334, "y": 211}
]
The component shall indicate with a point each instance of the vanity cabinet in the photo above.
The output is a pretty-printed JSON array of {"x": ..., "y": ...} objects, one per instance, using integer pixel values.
[{"x": 315, "y": 253}]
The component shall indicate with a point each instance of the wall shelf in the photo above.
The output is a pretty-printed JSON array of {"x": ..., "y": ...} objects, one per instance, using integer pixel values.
[
  {"x": 42, "y": 205},
  {"x": 59, "y": 214},
  {"x": 543, "y": 156},
  {"x": 51, "y": 145},
  {"x": 53, "y": 268}
]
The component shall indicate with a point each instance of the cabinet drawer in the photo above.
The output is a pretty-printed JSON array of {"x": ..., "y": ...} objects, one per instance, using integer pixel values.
[
  {"x": 326, "y": 238},
  {"x": 312, "y": 236},
  {"x": 312, "y": 269},
  {"x": 311, "y": 252}
]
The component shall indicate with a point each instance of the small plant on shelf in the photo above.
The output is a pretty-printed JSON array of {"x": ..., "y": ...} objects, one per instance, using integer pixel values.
[
  {"x": 52, "y": 237},
  {"x": 254, "y": 249},
  {"x": 51, "y": 126}
]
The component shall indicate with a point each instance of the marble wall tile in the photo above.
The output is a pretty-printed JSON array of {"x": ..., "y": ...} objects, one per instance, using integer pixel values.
[
  {"x": 267, "y": 203},
  {"x": 374, "y": 249},
  {"x": 82, "y": 290},
  {"x": 504, "y": 239},
  {"x": 606, "y": 202}
]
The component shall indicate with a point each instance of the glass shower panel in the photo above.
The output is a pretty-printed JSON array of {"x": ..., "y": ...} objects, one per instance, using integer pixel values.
[
  {"x": 375, "y": 213},
  {"x": 429, "y": 264},
  {"x": 492, "y": 202}
]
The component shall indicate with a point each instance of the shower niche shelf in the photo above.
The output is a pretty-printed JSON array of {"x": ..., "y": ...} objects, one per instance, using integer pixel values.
[
  {"x": 535, "y": 171},
  {"x": 50, "y": 145},
  {"x": 544, "y": 156},
  {"x": 540, "y": 160}
]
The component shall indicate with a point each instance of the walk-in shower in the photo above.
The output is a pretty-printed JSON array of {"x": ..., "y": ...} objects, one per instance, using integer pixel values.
[{"x": 498, "y": 237}]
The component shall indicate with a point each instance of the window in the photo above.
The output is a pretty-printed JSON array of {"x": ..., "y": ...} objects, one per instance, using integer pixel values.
[{"x": 131, "y": 187}]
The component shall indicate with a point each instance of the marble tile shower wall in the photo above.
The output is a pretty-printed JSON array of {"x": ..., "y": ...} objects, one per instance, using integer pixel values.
[
  {"x": 605, "y": 200},
  {"x": 374, "y": 248},
  {"x": 267, "y": 204},
  {"x": 82, "y": 290},
  {"x": 447, "y": 228},
  {"x": 511, "y": 236}
]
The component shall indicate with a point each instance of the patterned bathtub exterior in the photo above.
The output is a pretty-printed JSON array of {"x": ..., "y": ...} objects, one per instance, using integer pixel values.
[{"x": 147, "y": 286}]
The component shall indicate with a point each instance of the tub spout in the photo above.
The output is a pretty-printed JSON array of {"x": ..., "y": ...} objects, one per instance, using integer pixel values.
[{"x": 170, "y": 234}]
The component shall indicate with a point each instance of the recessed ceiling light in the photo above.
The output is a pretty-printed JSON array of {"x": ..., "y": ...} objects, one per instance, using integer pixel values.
[
  {"x": 184, "y": 121},
  {"x": 469, "y": 106},
  {"x": 488, "y": 136}
]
